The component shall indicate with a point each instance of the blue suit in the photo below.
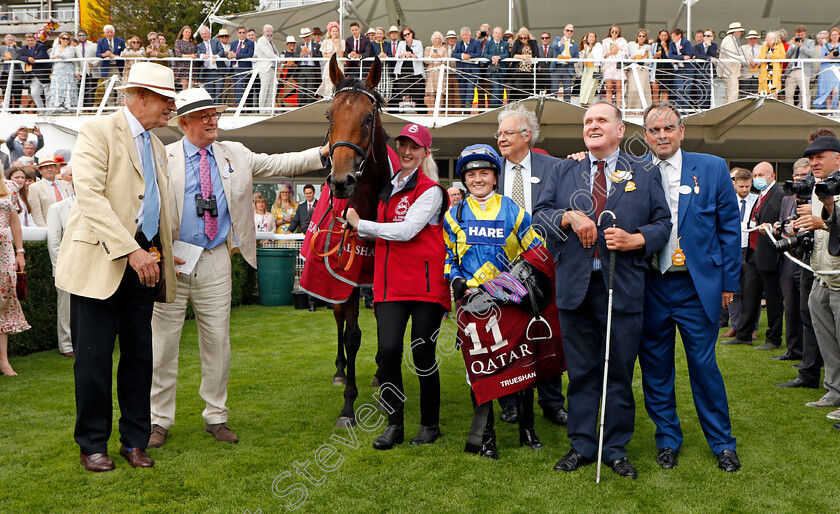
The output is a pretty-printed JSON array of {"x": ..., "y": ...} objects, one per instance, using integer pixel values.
[
  {"x": 639, "y": 207},
  {"x": 244, "y": 50},
  {"x": 496, "y": 74},
  {"x": 563, "y": 72},
  {"x": 105, "y": 67},
  {"x": 467, "y": 72},
  {"x": 710, "y": 237},
  {"x": 213, "y": 79},
  {"x": 702, "y": 88},
  {"x": 682, "y": 75}
]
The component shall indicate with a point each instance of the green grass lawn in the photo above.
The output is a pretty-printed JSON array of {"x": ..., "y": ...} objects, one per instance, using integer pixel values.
[{"x": 284, "y": 408}]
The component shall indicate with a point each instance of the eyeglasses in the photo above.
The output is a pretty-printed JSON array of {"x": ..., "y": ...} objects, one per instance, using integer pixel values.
[
  {"x": 407, "y": 34},
  {"x": 523, "y": 38},
  {"x": 65, "y": 38},
  {"x": 545, "y": 37},
  {"x": 569, "y": 30},
  {"x": 508, "y": 133},
  {"x": 205, "y": 118},
  {"x": 240, "y": 31},
  {"x": 708, "y": 35},
  {"x": 224, "y": 35}
]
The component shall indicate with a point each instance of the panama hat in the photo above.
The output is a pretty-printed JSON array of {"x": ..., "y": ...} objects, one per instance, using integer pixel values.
[
  {"x": 734, "y": 27},
  {"x": 192, "y": 100},
  {"x": 305, "y": 32},
  {"x": 752, "y": 34},
  {"x": 153, "y": 77}
]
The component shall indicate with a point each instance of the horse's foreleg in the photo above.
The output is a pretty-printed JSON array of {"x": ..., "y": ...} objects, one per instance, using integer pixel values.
[
  {"x": 339, "y": 379},
  {"x": 352, "y": 342}
]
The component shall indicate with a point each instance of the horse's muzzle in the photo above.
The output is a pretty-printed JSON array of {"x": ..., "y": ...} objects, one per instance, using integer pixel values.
[{"x": 342, "y": 188}]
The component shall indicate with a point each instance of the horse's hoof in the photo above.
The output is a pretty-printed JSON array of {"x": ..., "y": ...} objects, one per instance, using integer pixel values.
[
  {"x": 345, "y": 421},
  {"x": 339, "y": 381},
  {"x": 375, "y": 382}
]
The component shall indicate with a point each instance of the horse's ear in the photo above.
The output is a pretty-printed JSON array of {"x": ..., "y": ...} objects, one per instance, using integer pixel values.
[
  {"x": 374, "y": 74},
  {"x": 336, "y": 75}
]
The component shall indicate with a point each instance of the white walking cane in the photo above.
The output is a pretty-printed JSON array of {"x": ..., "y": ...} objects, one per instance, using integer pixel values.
[{"x": 606, "y": 350}]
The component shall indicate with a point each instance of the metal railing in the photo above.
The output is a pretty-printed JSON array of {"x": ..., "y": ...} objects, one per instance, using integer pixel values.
[{"x": 446, "y": 86}]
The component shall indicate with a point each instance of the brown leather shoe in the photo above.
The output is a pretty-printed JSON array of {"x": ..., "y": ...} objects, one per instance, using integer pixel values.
[
  {"x": 158, "y": 437},
  {"x": 136, "y": 457},
  {"x": 221, "y": 432},
  {"x": 69, "y": 354},
  {"x": 97, "y": 462},
  {"x": 729, "y": 333}
]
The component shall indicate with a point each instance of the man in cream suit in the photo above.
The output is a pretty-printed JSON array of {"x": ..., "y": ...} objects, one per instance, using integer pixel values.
[
  {"x": 267, "y": 70},
  {"x": 115, "y": 260},
  {"x": 730, "y": 72},
  {"x": 219, "y": 173},
  {"x": 57, "y": 216},
  {"x": 46, "y": 191}
]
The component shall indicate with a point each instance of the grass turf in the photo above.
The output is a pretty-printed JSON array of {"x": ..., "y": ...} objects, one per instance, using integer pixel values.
[{"x": 284, "y": 408}]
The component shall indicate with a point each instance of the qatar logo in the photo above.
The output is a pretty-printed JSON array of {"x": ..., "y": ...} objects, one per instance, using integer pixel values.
[{"x": 413, "y": 129}]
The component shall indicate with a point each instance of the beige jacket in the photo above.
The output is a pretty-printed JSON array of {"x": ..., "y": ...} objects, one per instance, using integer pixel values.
[
  {"x": 237, "y": 166},
  {"x": 109, "y": 190},
  {"x": 41, "y": 196}
]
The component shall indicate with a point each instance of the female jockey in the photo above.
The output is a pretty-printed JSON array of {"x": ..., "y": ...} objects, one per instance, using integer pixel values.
[
  {"x": 484, "y": 234},
  {"x": 408, "y": 281}
]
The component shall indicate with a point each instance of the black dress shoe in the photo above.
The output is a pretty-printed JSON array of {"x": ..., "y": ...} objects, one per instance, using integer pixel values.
[
  {"x": 667, "y": 457},
  {"x": 509, "y": 414},
  {"x": 787, "y": 356},
  {"x": 488, "y": 445},
  {"x": 798, "y": 382},
  {"x": 728, "y": 461},
  {"x": 737, "y": 341},
  {"x": 393, "y": 434},
  {"x": 622, "y": 467},
  {"x": 427, "y": 435},
  {"x": 837, "y": 426},
  {"x": 528, "y": 437},
  {"x": 572, "y": 461},
  {"x": 558, "y": 416}
]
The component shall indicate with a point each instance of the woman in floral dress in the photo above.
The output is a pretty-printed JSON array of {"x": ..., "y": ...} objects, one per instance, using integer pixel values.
[
  {"x": 11, "y": 261},
  {"x": 184, "y": 49},
  {"x": 64, "y": 90},
  {"x": 283, "y": 209}
]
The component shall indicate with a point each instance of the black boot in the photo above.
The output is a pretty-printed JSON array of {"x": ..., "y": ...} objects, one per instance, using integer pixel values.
[
  {"x": 393, "y": 434},
  {"x": 525, "y": 404},
  {"x": 488, "y": 445}
]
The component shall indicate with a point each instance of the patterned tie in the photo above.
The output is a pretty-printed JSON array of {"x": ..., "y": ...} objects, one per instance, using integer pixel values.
[
  {"x": 57, "y": 192},
  {"x": 393, "y": 49},
  {"x": 666, "y": 253},
  {"x": 517, "y": 192},
  {"x": 151, "y": 202},
  {"x": 743, "y": 209},
  {"x": 599, "y": 195},
  {"x": 211, "y": 227}
]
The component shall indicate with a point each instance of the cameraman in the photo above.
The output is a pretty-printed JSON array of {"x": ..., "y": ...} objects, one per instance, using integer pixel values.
[{"x": 824, "y": 302}]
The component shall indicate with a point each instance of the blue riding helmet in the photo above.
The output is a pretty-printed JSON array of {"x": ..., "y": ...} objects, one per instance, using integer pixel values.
[{"x": 477, "y": 157}]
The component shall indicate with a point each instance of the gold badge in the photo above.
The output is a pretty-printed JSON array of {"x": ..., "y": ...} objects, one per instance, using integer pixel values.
[
  {"x": 620, "y": 175},
  {"x": 153, "y": 251},
  {"x": 679, "y": 257},
  {"x": 631, "y": 186}
]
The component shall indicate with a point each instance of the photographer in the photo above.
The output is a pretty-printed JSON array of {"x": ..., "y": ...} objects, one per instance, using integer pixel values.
[{"x": 824, "y": 302}]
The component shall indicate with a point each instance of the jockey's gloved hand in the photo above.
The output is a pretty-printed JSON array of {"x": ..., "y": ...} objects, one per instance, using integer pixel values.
[{"x": 459, "y": 288}]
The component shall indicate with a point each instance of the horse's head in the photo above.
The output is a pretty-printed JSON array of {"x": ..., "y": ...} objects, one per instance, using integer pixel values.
[{"x": 354, "y": 119}]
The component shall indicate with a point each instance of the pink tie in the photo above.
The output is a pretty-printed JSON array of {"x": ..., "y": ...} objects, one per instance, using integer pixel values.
[{"x": 210, "y": 223}]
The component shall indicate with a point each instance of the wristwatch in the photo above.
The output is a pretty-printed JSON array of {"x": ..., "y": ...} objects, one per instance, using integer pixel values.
[{"x": 20, "y": 250}]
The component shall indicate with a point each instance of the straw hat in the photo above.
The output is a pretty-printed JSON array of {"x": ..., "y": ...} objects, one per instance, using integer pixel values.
[
  {"x": 290, "y": 39},
  {"x": 223, "y": 32},
  {"x": 305, "y": 32},
  {"x": 153, "y": 77},
  {"x": 393, "y": 29},
  {"x": 734, "y": 27},
  {"x": 192, "y": 100},
  {"x": 451, "y": 33},
  {"x": 752, "y": 34}
]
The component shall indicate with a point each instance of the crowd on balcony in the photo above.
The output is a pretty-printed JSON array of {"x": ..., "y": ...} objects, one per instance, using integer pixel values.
[{"x": 473, "y": 69}]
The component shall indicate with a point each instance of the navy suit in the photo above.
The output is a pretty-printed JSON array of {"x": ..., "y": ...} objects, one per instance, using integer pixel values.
[
  {"x": 710, "y": 237},
  {"x": 365, "y": 51},
  {"x": 496, "y": 73},
  {"x": 105, "y": 68},
  {"x": 702, "y": 88},
  {"x": 563, "y": 73},
  {"x": 244, "y": 49},
  {"x": 213, "y": 79},
  {"x": 467, "y": 72},
  {"x": 40, "y": 70},
  {"x": 639, "y": 207},
  {"x": 551, "y": 389},
  {"x": 682, "y": 75}
]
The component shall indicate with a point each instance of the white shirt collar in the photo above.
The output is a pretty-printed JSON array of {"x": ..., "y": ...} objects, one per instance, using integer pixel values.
[
  {"x": 133, "y": 125},
  {"x": 675, "y": 160},
  {"x": 526, "y": 163}
]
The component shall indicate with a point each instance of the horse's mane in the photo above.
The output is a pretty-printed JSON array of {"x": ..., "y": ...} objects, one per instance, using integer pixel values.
[{"x": 355, "y": 83}]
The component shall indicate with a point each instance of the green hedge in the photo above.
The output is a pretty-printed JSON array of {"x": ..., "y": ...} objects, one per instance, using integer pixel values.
[{"x": 40, "y": 310}]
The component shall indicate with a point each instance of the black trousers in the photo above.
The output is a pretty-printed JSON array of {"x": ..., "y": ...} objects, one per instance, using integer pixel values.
[
  {"x": 584, "y": 341},
  {"x": 812, "y": 361},
  {"x": 550, "y": 395},
  {"x": 308, "y": 79},
  {"x": 94, "y": 325},
  {"x": 391, "y": 321},
  {"x": 756, "y": 282},
  {"x": 793, "y": 319}
]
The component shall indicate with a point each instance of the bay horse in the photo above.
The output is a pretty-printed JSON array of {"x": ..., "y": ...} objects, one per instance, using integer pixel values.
[{"x": 360, "y": 169}]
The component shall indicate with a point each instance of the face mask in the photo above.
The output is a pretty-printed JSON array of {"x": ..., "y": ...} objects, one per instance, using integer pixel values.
[{"x": 760, "y": 183}]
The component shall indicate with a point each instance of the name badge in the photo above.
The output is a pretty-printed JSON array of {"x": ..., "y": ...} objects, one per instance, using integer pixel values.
[
  {"x": 486, "y": 232},
  {"x": 153, "y": 251}
]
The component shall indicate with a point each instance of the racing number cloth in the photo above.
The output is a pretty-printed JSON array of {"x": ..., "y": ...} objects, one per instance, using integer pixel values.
[
  {"x": 499, "y": 355},
  {"x": 323, "y": 277}
]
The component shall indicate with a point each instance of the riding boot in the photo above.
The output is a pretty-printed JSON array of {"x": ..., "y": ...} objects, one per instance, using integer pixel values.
[
  {"x": 488, "y": 441},
  {"x": 525, "y": 404}
]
